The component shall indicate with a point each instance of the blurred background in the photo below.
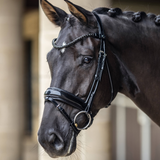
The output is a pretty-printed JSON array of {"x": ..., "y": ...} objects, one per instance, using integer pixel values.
[{"x": 121, "y": 132}]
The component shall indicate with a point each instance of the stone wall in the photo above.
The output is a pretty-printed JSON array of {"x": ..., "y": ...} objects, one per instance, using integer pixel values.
[{"x": 11, "y": 79}]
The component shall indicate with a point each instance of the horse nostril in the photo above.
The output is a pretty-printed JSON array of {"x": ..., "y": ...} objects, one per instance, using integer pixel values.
[
  {"x": 51, "y": 138},
  {"x": 56, "y": 141}
]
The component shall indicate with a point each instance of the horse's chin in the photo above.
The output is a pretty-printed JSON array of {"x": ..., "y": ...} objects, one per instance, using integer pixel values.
[{"x": 70, "y": 147}]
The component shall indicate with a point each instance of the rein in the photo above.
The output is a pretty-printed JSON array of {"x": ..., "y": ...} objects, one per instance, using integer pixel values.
[{"x": 55, "y": 95}]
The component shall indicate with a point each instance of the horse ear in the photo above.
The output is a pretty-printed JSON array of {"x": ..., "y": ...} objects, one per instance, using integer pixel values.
[
  {"x": 84, "y": 16},
  {"x": 54, "y": 14}
]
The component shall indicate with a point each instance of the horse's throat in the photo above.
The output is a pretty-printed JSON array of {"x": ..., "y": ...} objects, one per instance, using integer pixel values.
[{"x": 129, "y": 85}]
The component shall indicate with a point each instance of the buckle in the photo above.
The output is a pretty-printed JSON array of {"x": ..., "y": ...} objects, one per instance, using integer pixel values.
[
  {"x": 100, "y": 36},
  {"x": 103, "y": 53}
]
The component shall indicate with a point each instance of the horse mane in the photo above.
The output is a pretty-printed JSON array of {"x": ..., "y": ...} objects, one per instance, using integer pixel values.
[{"x": 134, "y": 16}]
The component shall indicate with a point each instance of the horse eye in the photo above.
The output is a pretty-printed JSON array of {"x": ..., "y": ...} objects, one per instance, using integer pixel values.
[{"x": 87, "y": 60}]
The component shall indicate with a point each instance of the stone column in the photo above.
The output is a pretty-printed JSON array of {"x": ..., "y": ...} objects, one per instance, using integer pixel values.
[
  {"x": 11, "y": 91},
  {"x": 93, "y": 143}
]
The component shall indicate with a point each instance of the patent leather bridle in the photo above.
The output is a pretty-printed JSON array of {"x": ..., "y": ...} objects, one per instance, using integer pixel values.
[{"x": 55, "y": 95}]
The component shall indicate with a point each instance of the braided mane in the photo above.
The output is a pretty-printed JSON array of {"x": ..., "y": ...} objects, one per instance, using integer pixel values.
[{"x": 134, "y": 16}]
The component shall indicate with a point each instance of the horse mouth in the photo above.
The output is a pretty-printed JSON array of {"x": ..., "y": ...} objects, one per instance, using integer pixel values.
[
  {"x": 69, "y": 147},
  {"x": 57, "y": 140}
]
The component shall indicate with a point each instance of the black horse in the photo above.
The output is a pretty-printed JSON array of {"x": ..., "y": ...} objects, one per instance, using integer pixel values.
[{"x": 96, "y": 55}]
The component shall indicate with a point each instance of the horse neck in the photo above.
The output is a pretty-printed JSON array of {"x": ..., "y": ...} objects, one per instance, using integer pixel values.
[{"x": 136, "y": 49}]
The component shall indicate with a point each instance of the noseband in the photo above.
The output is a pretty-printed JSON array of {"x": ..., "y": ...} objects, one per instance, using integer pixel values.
[{"x": 55, "y": 95}]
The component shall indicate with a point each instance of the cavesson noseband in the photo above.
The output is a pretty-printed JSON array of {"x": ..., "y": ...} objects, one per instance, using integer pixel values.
[{"x": 55, "y": 95}]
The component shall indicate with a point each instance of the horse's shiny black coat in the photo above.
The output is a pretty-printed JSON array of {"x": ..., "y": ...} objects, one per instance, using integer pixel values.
[{"x": 132, "y": 47}]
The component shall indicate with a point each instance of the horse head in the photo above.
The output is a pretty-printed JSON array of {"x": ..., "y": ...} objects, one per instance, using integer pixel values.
[{"x": 75, "y": 95}]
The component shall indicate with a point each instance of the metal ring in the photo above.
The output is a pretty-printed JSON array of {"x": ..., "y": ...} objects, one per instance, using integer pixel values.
[{"x": 89, "y": 118}]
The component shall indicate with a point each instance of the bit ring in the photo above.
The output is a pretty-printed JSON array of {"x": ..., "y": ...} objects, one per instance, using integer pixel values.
[{"x": 89, "y": 120}]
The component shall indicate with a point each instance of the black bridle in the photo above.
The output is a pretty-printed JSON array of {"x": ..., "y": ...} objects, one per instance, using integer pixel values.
[{"x": 55, "y": 95}]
